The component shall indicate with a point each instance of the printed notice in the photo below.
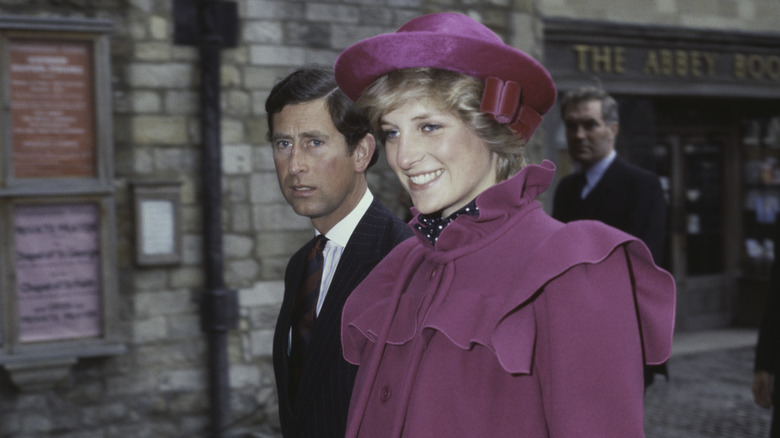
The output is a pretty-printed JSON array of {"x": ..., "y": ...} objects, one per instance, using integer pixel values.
[
  {"x": 52, "y": 109},
  {"x": 58, "y": 271},
  {"x": 158, "y": 228}
]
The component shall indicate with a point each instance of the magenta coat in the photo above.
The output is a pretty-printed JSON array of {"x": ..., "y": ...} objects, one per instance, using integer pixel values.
[{"x": 514, "y": 325}]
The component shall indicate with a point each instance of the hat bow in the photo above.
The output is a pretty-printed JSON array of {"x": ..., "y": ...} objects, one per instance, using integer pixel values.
[{"x": 503, "y": 100}]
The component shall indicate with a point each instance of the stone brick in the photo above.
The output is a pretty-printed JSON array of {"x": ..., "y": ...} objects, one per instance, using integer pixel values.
[
  {"x": 312, "y": 35},
  {"x": 241, "y": 271},
  {"x": 278, "y": 217},
  {"x": 143, "y": 163},
  {"x": 159, "y": 130},
  {"x": 277, "y": 55},
  {"x": 243, "y": 376},
  {"x": 523, "y": 35},
  {"x": 145, "y": 101},
  {"x": 10, "y": 424},
  {"x": 181, "y": 102},
  {"x": 36, "y": 423},
  {"x": 264, "y": 189},
  {"x": 240, "y": 219},
  {"x": 262, "y": 343},
  {"x": 237, "y": 159},
  {"x": 262, "y": 293},
  {"x": 150, "y": 279},
  {"x": 156, "y": 303},
  {"x": 282, "y": 243},
  {"x": 230, "y": 76},
  {"x": 344, "y": 36},
  {"x": 263, "y": 32},
  {"x": 171, "y": 159},
  {"x": 151, "y": 329},
  {"x": 192, "y": 249},
  {"x": 158, "y": 28},
  {"x": 274, "y": 9},
  {"x": 165, "y": 75},
  {"x": 153, "y": 51},
  {"x": 332, "y": 13},
  {"x": 184, "y": 326},
  {"x": 237, "y": 103},
  {"x": 182, "y": 380},
  {"x": 232, "y": 131},
  {"x": 238, "y": 246}
]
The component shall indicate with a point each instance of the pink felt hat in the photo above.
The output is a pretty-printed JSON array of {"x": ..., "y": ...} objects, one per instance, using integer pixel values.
[{"x": 518, "y": 90}]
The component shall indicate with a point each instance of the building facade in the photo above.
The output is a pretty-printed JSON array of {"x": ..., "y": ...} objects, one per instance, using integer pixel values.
[{"x": 118, "y": 318}]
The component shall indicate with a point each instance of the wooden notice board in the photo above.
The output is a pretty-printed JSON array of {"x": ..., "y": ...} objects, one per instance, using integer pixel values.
[{"x": 52, "y": 108}]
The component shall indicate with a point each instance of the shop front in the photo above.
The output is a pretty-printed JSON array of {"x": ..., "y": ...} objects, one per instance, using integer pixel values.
[{"x": 701, "y": 109}]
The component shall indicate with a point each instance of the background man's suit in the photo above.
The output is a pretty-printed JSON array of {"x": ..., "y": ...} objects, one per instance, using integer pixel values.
[
  {"x": 768, "y": 347},
  {"x": 327, "y": 380},
  {"x": 627, "y": 197}
]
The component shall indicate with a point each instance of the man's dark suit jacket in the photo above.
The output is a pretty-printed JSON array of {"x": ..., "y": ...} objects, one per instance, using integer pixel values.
[
  {"x": 327, "y": 380},
  {"x": 627, "y": 197},
  {"x": 768, "y": 347}
]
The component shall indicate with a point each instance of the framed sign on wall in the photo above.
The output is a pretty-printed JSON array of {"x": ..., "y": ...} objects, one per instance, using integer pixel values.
[{"x": 58, "y": 280}]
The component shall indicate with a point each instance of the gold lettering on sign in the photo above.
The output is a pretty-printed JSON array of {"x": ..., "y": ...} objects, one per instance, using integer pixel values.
[
  {"x": 756, "y": 66},
  {"x": 678, "y": 63},
  {"x": 682, "y": 63},
  {"x": 599, "y": 59}
]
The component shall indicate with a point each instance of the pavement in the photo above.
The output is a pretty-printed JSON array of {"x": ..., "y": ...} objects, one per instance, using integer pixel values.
[{"x": 708, "y": 394}]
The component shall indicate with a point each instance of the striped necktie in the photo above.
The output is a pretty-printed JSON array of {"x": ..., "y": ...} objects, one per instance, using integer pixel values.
[{"x": 304, "y": 312}]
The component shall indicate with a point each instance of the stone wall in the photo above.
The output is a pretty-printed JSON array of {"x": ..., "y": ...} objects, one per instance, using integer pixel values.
[
  {"x": 159, "y": 387},
  {"x": 740, "y": 15}
]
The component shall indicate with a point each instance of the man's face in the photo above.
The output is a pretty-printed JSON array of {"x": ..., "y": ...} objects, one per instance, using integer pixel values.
[
  {"x": 589, "y": 138},
  {"x": 316, "y": 174}
]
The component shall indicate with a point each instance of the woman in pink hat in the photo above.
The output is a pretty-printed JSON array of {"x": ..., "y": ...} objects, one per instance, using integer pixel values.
[{"x": 496, "y": 320}]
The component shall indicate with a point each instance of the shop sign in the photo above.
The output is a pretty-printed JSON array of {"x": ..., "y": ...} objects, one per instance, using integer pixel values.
[
  {"x": 631, "y": 58},
  {"x": 674, "y": 62}
]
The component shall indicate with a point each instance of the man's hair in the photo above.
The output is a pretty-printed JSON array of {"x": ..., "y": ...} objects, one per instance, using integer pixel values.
[
  {"x": 313, "y": 83},
  {"x": 457, "y": 93},
  {"x": 609, "y": 107}
]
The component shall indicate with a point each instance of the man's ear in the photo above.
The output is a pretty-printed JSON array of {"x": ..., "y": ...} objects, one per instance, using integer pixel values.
[
  {"x": 615, "y": 128},
  {"x": 363, "y": 153}
]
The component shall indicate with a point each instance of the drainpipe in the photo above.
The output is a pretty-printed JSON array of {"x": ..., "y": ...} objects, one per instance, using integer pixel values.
[{"x": 211, "y": 25}]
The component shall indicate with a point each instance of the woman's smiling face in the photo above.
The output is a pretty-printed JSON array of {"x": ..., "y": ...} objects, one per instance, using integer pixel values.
[{"x": 439, "y": 160}]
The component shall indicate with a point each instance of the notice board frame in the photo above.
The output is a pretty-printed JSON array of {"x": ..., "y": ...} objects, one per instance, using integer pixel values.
[
  {"x": 45, "y": 362},
  {"x": 96, "y": 34}
]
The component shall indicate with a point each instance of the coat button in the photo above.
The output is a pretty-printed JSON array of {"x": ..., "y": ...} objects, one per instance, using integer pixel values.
[
  {"x": 433, "y": 273},
  {"x": 384, "y": 396}
]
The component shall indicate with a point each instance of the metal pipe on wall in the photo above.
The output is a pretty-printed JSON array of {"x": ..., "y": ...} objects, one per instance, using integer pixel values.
[{"x": 211, "y": 25}]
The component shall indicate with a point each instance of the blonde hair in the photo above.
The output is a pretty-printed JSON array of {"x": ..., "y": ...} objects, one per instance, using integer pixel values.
[{"x": 455, "y": 92}]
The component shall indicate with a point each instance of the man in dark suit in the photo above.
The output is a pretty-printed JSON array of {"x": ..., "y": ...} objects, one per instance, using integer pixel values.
[
  {"x": 767, "y": 361},
  {"x": 322, "y": 149},
  {"x": 607, "y": 188}
]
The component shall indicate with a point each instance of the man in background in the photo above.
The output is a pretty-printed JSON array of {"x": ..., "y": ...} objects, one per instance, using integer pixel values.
[
  {"x": 322, "y": 149},
  {"x": 607, "y": 188},
  {"x": 767, "y": 361}
]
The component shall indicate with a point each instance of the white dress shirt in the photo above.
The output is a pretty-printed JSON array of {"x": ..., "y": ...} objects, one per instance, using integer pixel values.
[
  {"x": 594, "y": 174},
  {"x": 338, "y": 236}
]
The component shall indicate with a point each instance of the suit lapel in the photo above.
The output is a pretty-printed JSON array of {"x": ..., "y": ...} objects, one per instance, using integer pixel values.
[
  {"x": 281, "y": 335},
  {"x": 601, "y": 194},
  {"x": 359, "y": 257}
]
